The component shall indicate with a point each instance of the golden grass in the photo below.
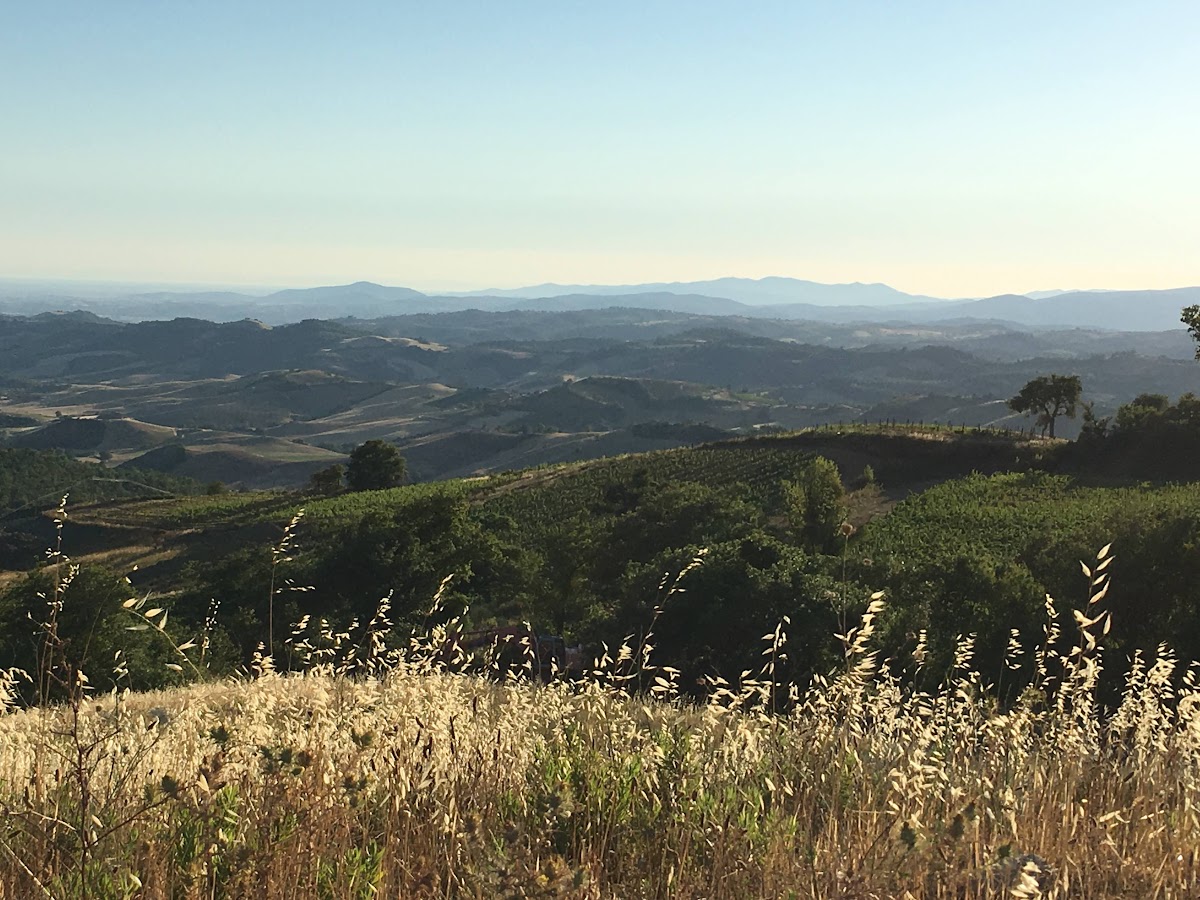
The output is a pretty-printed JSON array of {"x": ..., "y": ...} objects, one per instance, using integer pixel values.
[
  {"x": 417, "y": 782},
  {"x": 381, "y": 772}
]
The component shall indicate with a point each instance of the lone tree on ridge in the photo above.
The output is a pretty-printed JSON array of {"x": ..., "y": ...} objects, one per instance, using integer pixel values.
[
  {"x": 1050, "y": 396},
  {"x": 375, "y": 465}
]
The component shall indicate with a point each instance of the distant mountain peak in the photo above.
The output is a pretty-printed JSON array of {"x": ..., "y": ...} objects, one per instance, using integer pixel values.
[
  {"x": 368, "y": 289},
  {"x": 1058, "y": 292},
  {"x": 770, "y": 290}
]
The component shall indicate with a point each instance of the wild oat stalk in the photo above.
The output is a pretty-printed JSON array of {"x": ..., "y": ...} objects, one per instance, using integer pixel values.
[{"x": 280, "y": 553}]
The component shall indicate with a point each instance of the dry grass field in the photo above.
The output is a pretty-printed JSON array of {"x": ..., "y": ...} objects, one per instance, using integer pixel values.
[{"x": 387, "y": 772}]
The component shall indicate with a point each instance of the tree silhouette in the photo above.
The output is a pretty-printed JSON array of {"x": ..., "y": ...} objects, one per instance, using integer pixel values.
[
  {"x": 1191, "y": 318},
  {"x": 1050, "y": 396}
]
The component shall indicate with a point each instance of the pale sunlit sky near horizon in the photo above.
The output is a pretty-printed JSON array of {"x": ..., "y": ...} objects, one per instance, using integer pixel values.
[{"x": 945, "y": 148}]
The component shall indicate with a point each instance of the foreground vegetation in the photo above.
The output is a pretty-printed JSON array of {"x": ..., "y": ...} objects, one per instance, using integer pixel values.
[
  {"x": 969, "y": 737},
  {"x": 580, "y": 551},
  {"x": 381, "y": 772}
]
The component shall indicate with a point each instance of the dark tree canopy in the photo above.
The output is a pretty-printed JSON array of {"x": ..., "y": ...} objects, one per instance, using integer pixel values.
[
  {"x": 1050, "y": 396},
  {"x": 1155, "y": 414},
  {"x": 327, "y": 481},
  {"x": 1191, "y": 318},
  {"x": 375, "y": 465},
  {"x": 814, "y": 503}
]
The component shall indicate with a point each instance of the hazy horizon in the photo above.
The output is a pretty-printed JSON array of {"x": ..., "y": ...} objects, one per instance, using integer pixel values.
[
  {"x": 104, "y": 288},
  {"x": 944, "y": 149}
]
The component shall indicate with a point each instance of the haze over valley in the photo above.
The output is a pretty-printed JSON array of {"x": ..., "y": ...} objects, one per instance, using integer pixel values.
[
  {"x": 263, "y": 390},
  {"x": 775, "y": 298}
]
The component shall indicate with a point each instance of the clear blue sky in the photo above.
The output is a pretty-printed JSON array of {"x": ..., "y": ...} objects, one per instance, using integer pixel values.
[{"x": 954, "y": 148}]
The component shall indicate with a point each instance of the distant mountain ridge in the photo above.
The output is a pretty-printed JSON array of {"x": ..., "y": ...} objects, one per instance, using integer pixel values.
[
  {"x": 1045, "y": 295},
  {"x": 1113, "y": 310},
  {"x": 777, "y": 298},
  {"x": 359, "y": 291},
  {"x": 767, "y": 291}
]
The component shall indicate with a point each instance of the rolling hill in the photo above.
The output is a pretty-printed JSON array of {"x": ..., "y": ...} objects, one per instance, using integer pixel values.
[{"x": 438, "y": 384}]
